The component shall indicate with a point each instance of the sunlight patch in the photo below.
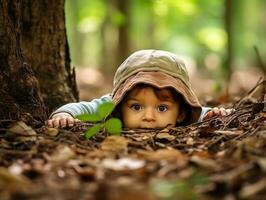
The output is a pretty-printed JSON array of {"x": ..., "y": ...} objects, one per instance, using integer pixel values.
[{"x": 213, "y": 38}]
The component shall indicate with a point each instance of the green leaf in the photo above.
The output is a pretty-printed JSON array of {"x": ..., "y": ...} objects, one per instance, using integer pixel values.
[
  {"x": 113, "y": 126},
  {"x": 105, "y": 109},
  {"x": 93, "y": 130},
  {"x": 89, "y": 117}
]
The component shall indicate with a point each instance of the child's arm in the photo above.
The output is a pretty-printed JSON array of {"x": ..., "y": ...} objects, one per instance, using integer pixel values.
[{"x": 65, "y": 115}]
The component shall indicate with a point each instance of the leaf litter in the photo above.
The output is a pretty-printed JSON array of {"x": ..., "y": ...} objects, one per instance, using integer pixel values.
[{"x": 220, "y": 158}]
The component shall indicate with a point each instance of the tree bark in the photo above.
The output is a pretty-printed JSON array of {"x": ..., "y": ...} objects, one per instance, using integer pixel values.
[
  {"x": 117, "y": 34},
  {"x": 45, "y": 47},
  {"x": 229, "y": 30},
  {"x": 20, "y": 90},
  {"x": 123, "y": 39},
  {"x": 34, "y": 59}
]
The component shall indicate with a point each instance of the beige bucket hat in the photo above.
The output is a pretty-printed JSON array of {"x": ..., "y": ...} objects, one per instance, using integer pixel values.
[{"x": 160, "y": 69}]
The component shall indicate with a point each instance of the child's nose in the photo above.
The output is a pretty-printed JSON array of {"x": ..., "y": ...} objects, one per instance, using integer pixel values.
[{"x": 149, "y": 114}]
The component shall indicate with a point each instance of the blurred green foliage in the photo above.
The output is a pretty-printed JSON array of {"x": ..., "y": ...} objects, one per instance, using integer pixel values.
[
  {"x": 185, "y": 189},
  {"x": 191, "y": 28}
]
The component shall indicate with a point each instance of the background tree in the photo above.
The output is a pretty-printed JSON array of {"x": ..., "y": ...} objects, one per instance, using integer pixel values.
[{"x": 217, "y": 36}]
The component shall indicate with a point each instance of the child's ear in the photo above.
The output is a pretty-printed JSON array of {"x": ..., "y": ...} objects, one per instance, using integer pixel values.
[{"x": 182, "y": 115}]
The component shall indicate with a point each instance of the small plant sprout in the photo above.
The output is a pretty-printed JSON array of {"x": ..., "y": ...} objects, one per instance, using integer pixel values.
[{"x": 111, "y": 125}]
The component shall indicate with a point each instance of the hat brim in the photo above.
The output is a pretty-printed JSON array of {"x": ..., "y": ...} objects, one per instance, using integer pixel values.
[{"x": 160, "y": 80}]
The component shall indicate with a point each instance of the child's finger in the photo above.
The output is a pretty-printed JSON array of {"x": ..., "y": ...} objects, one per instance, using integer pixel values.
[
  {"x": 63, "y": 122},
  {"x": 55, "y": 122},
  {"x": 49, "y": 123},
  {"x": 216, "y": 111},
  {"x": 70, "y": 121},
  {"x": 209, "y": 114},
  {"x": 222, "y": 112},
  {"x": 230, "y": 111}
]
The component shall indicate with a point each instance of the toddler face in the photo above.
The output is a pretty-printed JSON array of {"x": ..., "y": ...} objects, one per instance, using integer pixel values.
[{"x": 146, "y": 108}]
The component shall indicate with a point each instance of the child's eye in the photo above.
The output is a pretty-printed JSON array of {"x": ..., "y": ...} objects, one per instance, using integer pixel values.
[
  {"x": 162, "y": 108},
  {"x": 135, "y": 107}
]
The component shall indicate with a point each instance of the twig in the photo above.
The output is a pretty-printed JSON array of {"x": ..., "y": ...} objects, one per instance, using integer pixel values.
[
  {"x": 247, "y": 133},
  {"x": 233, "y": 118},
  {"x": 214, "y": 142},
  {"x": 17, "y": 152},
  {"x": 240, "y": 101}
]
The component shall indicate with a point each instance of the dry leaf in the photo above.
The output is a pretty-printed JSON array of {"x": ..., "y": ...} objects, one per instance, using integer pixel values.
[
  {"x": 12, "y": 182},
  {"x": 51, "y": 131},
  {"x": 86, "y": 171},
  {"x": 142, "y": 136},
  {"x": 167, "y": 154},
  {"x": 123, "y": 164},
  {"x": 229, "y": 133},
  {"x": 62, "y": 154},
  {"x": 21, "y": 129},
  {"x": 263, "y": 114},
  {"x": 166, "y": 136},
  {"x": 190, "y": 141},
  {"x": 262, "y": 163},
  {"x": 115, "y": 144},
  {"x": 252, "y": 189},
  {"x": 202, "y": 154},
  {"x": 204, "y": 162}
]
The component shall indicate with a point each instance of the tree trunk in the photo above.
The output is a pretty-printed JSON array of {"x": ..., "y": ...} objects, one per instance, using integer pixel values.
[
  {"x": 45, "y": 47},
  {"x": 123, "y": 40},
  {"x": 115, "y": 46},
  {"x": 33, "y": 52},
  {"x": 19, "y": 87},
  {"x": 229, "y": 30}
]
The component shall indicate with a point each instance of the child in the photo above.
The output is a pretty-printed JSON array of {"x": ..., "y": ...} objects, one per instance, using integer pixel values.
[{"x": 151, "y": 90}]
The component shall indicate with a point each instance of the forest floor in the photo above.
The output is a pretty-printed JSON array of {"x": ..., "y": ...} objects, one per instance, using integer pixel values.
[{"x": 221, "y": 158}]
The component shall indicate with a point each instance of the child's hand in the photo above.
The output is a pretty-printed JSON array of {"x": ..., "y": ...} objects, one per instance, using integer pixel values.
[
  {"x": 218, "y": 112},
  {"x": 61, "y": 120}
]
